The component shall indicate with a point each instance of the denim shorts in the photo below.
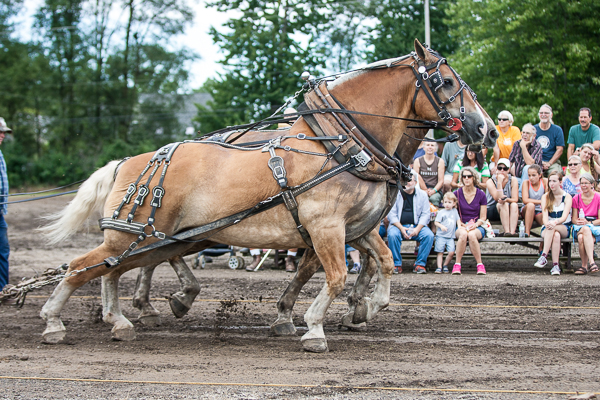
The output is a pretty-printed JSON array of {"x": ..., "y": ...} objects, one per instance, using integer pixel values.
[
  {"x": 442, "y": 243},
  {"x": 568, "y": 225}
]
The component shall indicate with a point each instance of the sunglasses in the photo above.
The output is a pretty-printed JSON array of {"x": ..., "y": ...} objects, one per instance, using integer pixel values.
[
  {"x": 502, "y": 168},
  {"x": 573, "y": 165},
  {"x": 502, "y": 119},
  {"x": 467, "y": 176}
]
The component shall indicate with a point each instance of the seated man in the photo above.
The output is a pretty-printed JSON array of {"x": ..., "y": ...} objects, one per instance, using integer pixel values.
[
  {"x": 431, "y": 168},
  {"x": 526, "y": 151},
  {"x": 408, "y": 220}
]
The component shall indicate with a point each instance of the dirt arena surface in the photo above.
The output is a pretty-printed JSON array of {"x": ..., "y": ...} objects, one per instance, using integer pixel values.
[{"x": 442, "y": 337}]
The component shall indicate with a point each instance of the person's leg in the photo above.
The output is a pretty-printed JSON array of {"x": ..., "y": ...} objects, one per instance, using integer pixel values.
[
  {"x": 461, "y": 244},
  {"x": 474, "y": 237},
  {"x": 528, "y": 216},
  {"x": 435, "y": 199},
  {"x": 548, "y": 236},
  {"x": 539, "y": 218},
  {"x": 582, "y": 254},
  {"x": 503, "y": 210},
  {"x": 425, "y": 237},
  {"x": 514, "y": 216},
  {"x": 395, "y": 244},
  {"x": 588, "y": 244},
  {"x": 440, "y": 257},
  {"x": 555, "y": 246},
  {"x": 448, "y": 182},
  {"x": 290, "y": 265},
  {"x": 4, "y": 252}
]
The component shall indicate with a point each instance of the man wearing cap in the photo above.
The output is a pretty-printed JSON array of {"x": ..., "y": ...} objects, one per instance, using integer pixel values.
[
  {"x": 526, "y": 151},
  {"x": 4, "y": 248}
]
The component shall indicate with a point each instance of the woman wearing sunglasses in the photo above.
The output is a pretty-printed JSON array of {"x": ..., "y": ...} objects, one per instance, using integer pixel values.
[
  {"x": 556, "y": 209},
  {"x": 508, "y": 135},
  {"x": 570, "y": 183},
  {"x": 472, "y": 208},
  {"x": 586, "y": 225},
  {"x": 502, "y": 198},
  {"x": 474, "y": 160}
]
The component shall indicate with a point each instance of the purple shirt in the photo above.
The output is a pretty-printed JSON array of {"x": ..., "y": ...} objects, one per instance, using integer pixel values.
[{"x": 470, "y": 211}]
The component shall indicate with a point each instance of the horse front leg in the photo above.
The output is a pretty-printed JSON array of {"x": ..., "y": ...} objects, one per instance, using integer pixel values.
[
  {"x": 149, "y": 315},
  {"x": 329, "y": 247},
  {"x": 362, "y": 308},
  {"x": 111, "y": 308},
  {"x": 359, "y": 290},
  {"x": 182, "y": 301},
  {"x": 309, "y": 264}
]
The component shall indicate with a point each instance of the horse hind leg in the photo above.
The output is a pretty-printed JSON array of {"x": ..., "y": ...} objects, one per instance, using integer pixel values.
[
  {"x": 309, "y": 264},
  {"x": 182, "y": 301},
  {"x": 363, "y": 308},
  {"x": 149, "y": 315},
  {"x": 358, "y": 293},
  {"x": 111, "y": 309}
]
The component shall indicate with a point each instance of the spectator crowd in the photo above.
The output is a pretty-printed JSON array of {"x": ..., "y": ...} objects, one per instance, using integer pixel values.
[{"x": 453, "y": 199}]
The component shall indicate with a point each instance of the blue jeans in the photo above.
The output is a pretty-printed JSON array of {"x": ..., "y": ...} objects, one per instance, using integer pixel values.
[
  {"x": 425, "y": 237},
  {"x": 4, "y": 252}
]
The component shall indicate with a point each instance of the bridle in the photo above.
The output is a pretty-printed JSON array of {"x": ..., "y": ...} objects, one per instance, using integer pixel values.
[{"x": 432, "y": 82}]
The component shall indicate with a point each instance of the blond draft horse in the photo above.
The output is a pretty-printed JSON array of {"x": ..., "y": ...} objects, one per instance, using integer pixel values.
[{"x": 203, "y": 180}]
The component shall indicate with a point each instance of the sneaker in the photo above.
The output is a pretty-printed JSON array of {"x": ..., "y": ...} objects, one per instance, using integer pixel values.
[
  {"x": 438, "y": 270},
  {"x": 355, "y": 269},
  {"x": 456, "y": 269},
  {"x": 481, "y": 269},
  {"x": 419, "y": 270},
  {"x": 541, "y": 262},
  {"x": 397, "y": 270},
  {"x": 555, "y": 270},
  {"x": 445, "y": 269}
]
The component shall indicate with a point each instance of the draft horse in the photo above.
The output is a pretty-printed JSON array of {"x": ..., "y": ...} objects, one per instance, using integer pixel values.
[{"x": 213, "y": 188}]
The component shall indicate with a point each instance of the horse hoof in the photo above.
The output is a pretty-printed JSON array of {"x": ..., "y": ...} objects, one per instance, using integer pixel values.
[
  {"x": 315, "y": 345},
  {"x": 149, "y": 320},
  {"x": 361, "y": 312},
  {"x": 285, "y": 329},
  {"x": 54, "y": 337},
  {"x": 177, "y": 307},
  {"x": 123, "y": 334},
  {"x": 347, "y": 322}
]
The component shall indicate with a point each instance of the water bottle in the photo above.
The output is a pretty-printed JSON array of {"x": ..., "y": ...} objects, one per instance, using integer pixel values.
[
  {"x": 581, "y": 214},
  {"x": 410, "y": 229},
  {"x": 522, "y": 230}
]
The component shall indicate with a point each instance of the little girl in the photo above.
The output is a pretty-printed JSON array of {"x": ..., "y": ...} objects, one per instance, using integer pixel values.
[{"x": 446, "y": 221}]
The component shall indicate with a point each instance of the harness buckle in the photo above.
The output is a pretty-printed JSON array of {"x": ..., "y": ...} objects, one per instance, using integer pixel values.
[
  {"x": 111, "y": 262},
  {"x": 362, "y": 158},
  {"x": 462, "y": 110},
  {"x": 301, "y": 136}
]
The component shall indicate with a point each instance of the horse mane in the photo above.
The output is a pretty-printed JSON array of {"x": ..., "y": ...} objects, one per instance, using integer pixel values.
[{"x": 346, "y": 76}]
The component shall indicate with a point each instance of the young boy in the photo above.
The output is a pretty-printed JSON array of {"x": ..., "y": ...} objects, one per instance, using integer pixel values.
[{"x": 446, "y": 221}]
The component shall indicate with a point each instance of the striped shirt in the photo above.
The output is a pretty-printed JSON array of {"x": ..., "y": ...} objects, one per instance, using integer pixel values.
[{"x": 3, "y": 185}]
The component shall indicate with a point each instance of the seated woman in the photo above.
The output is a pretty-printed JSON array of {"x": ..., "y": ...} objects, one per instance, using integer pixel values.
[
  {"x": 533, "y": 190},
  {"x": 472, "y": 208},
  {"x": 502, "y": 198},
  {"x": 570, "y": 183},
  {"x": 471, "y": 159},
  {"x": 590, "y": 160},
  {"x": 431, "y": 168},
  {"x": 586, "y": 225},
  {"x": 556, "y": 215}
]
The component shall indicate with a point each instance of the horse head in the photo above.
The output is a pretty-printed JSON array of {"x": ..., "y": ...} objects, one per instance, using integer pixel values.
[{"x": 441, "y": 94}]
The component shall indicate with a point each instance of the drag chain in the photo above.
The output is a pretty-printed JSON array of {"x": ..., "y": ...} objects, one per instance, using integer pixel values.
[{"x": 19, "y": 292}]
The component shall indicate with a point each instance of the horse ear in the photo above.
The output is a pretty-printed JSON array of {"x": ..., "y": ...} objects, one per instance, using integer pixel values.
[{"x": 422, "y": 52}]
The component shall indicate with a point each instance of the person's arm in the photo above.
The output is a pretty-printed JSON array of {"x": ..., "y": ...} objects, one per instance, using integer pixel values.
[
  {"x": 441, "y": 171},
  {"x": 496, "y": 153},
  {"x": 455, "y": 184},
  {"x": 525, "y": 152},
  {"x": 514, "y": 191},
  {"x": 417, "y": 168},
  {"x": 557, "y": 154},
  {"x": 571, "y": 150},
  {"x": 525, "y": 192},
  {"x": 545, "y": 214},
  {"x": 440, "y": 226},
  {"x": 482, "y": 215},
  {"x": 491, "y": 187}
]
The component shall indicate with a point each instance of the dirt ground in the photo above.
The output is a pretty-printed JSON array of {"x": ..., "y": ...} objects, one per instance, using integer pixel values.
[{"x": 517, "y": 333}]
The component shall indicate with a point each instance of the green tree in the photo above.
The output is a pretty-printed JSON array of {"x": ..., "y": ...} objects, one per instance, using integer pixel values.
[
  {"x": 401, "y": 21},
  {"x": 518, "y": 55},
  {"x": 263, "y": 59}
]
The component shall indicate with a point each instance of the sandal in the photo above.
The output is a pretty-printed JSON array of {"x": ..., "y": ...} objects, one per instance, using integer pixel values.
[
  {"x": 581, "y": 270},
  {"x": 593, "y": 268}
]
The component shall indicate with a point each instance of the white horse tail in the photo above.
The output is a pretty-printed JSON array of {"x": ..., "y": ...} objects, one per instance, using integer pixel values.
[{"x": 90, "y": 198}]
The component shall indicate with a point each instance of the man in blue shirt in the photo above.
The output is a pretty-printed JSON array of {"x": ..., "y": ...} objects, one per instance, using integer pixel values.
[
  {"x": 4, "y": 248},
  {"x": 552, "y": 140},
  {"x": 584, "y": 132}
]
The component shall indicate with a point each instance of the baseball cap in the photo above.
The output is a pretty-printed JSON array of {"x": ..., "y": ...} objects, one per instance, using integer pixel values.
[
  {"x": 504, "y": 161},
  {"x": 4, "y": 127}
]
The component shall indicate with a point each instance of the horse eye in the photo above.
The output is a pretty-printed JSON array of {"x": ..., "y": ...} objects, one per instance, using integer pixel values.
[{"x": 448, "y": 82}]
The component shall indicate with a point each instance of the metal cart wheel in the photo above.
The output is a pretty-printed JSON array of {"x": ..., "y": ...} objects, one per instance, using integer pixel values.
[
  {"x": 199, "y": 261},
  {"x": 236, "y": 262}
]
